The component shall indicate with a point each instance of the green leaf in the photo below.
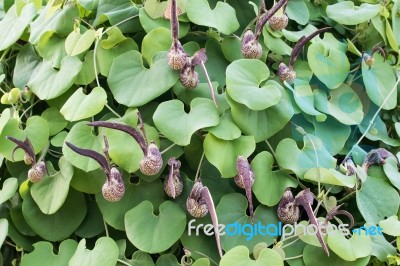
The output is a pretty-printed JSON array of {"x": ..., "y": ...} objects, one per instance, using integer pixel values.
[
  {"x": 392, "y": 172},
  {"x": 347, "y": 14},
  {"x": 43, "y": 254},
  {"x": 25, "y": 64},
  {"x": 178, "y": 126},
  {"x": 86, "y": 75},
  {"x": 155, "y": 41},
  {"x": 329, "y": 64},
  {"x": 88, "y": 182},
  {"x": 223, "y": 153},
  {"x": 377, "y": 200},
  {"x": 77, "y": 43},
  {"x": 304, "y": 98},
  {"x": 302, "y": 160},
  {"x": 272, "y": 119},
  {"x": 37, "y": 130},
  {"x": 13, "y": 26},
  {"x": 114, "y": 212},
  {"x": 240, "y": 256},
  {"x": 226, "y": 129},
  {"x": 381, "y": 248},
  {"x": 222, "y": 17},
  {"x": 105, "y": 253},
  {"x": 60, "y": 225},
  {"x": 297, "y": 10},
  {"x": 80, "y": 106},
  {"x": 269, "y": 185},
  {"x": 81, "y": 135},
  {"x": 115, "y": 37},
  {"x": 231, "y": 212},
  {"x": 313, "y": 256},
  {"x": 55, "y": 120},
  {"x": 330, "y": 176},
  {"x": 55, "y": 22},
  {"x": 3, "y": 230},
  {"x": 275, "y": 44},
  {"x": 344, "y": 104},
  {"x": 48, "y": 83},
  {"x": 105, "y": 57},
  {"x": 391, "y": 226},
  {"x": 10, "y": 186},
  {"x": 396, "y": 19},
  {"x": 379, "y": 81},
  {"x": 93, "y": 224},
  {"x": 127, "y": 69},
  {"x": 243, "y": 79},
  {"x": 115, "y": 11},
  {"x": 358, "y": 246},
  {"x": 151, "y": 233},
  {"x": 51, "y": 47},
  {"x": 51, "y": 192}
]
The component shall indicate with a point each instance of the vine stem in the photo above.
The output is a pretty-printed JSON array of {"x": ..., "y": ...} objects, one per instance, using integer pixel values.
[
  {"x": 29, "y": 108},
  {"x": 373, "y": 118},
  {"x": 112, "y": 111},
  {"x": 106, "y": 228},
  {"x": 123, "y": 262},
  {"x": 198, "y": 167},
  {"x": 168, "y": 148},
  {"x": 200, "y": 253},
  {"x": 291, "y": 243},
  {"x": 270, "y": 147},
  {"x": 295, "y": 257}
]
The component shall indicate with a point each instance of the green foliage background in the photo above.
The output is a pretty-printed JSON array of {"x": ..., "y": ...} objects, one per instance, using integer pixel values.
[{"x": 86, "y": 60}]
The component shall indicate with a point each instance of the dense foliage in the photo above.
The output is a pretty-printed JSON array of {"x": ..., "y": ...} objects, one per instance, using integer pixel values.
[{"x": 289, "y": 112}]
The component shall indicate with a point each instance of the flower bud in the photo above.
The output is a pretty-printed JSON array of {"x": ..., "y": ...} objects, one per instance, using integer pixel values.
[
  {"x": 288, "y": 211},
  {"x": 251, "y": 48},
  {"x": 114, "y": 188},
  {"x": 278, "y": 22},
  {"x": 36, "y": 173},
  {"x": 196, "y": 204},
  {"x": 286, "y": 73},
  {"x": 173, "y": 184},
  {"x": 189, "y": 77},
  {"x": 152, "y": 163},
  {"x": 177, "y": 57}
]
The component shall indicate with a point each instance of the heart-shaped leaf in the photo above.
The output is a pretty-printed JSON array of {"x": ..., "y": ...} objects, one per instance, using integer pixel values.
[
  {"x": 358, "y": 246},
  {"x": 226, "y": 129},
  {"x": 60, "y": 225},
  {"x": 304, "y": 98},
  {"x": 297, "y": 10},
  {"x": 43, "y": 254},
  {"x": 77, "y": 43},
  {"x": 55, "y": 120},
  {"x": 392, "y": 172},
  {"x": 231, "y": 212},
  {"x": 302, "y": 160},
  {"x": 269, "y": 185},
  {"x": 81, "y": 135},
  {"x": 36, "y": 130},
  {"x": 347, "y": 14},
  {"x": 222, "y": 17},
  {"x": 51, "y": 192},
  {"x": 48, "y": 83},
  {"x": 379, "y": 81},
  {"x": 272, "y": 119},
  {"x": 223, "y": 153},
  {"x": 105, "y": 252},
  {"x": 243, "y": 79},
  {"x": 329, "y": 64},
  {"x": 54, "y": 22},
  {"x": 80, "y": 106},
  {"x": 391, "y": 226},
  {"x": 51, "y": 47},
  {"x": 12, "y": 26},
  {"x": 240, "y": 256},
  {"x": 313, "y": 256},
  {"x": 27, "y": 61},
  {"x": 10, "y": 186},
  {"x": 114, "y": 212},
  {"x": 330, "y": 176},
  {"x": 3, "y": 230},
  {"x": 155, "y": 41},
  {"x": 127, "y": 70},
  {"x": 151, "y": 233},
  {"x": 377, "y": 200},
  {"x": 172, "y": 121}
]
